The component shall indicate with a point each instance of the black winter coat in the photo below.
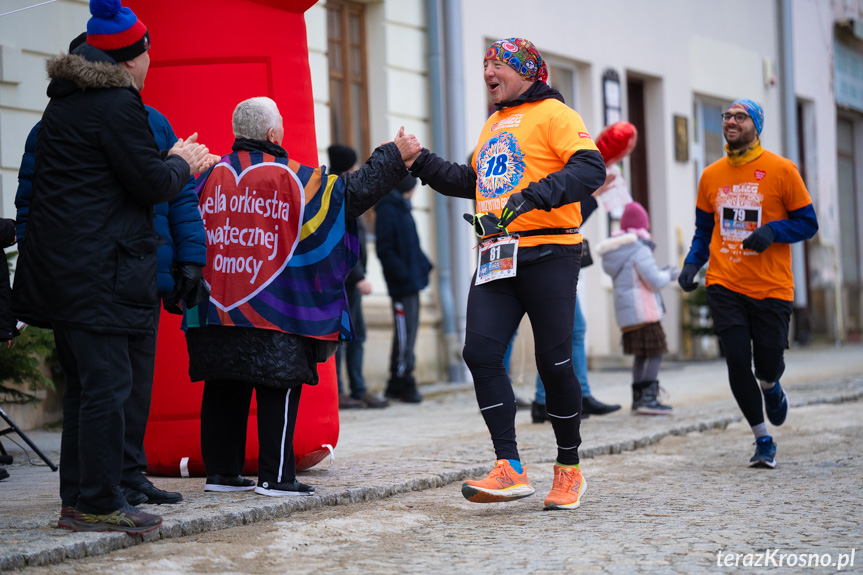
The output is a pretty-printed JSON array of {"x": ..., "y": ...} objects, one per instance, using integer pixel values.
[
  {"x": 406, "y": 267},
  {"x": 89, "y": 258}
]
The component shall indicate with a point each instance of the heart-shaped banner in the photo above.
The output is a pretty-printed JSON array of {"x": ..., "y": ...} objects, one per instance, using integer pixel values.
[{"x": 253, "y": 223}]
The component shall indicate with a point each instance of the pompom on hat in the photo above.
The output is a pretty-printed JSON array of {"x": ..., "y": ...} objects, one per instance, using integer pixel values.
[{"x": 116, "y": 30}]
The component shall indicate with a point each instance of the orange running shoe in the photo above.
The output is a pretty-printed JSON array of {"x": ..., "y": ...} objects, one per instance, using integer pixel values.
[
  {"x": 567, "y": 488},
  {"x": 502, "y": 483}
]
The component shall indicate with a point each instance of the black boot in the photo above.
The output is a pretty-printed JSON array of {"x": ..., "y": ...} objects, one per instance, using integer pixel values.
[
  {"x": 647, "y": 402},
  {"x": 592, "y": 406},
  {"x": 394, "y": 388},
  {"x": 410, "y": 393},
  {"x": 636, "y": 394},
  {"x": 538, "y": 413}
]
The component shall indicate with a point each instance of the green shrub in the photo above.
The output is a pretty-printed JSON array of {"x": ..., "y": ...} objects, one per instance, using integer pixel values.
[
  {"x": 20, "y": 365},
  {"x": 21, "y": 373}
]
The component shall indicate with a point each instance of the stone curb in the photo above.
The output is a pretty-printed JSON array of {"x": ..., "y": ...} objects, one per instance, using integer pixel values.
[{"x": 108, "y": 542}]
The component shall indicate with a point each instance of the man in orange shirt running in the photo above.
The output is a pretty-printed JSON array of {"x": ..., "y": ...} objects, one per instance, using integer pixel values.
[
  {"x": 533, "y": 164},
  {"x": 751, "y": 205}
]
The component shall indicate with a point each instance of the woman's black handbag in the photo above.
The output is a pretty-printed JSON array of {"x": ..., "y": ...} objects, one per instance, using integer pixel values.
[{"x": 586, "y": 258}]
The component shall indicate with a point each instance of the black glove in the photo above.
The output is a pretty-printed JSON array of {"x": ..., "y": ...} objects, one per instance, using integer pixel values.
[
  {"x": 760, "y": 239},
  {"x": 188, "y": 287},
  {"x": 485, "y": 224},
  {"x": 514, "y": 207},
  {"x": 686, "y": 279}
]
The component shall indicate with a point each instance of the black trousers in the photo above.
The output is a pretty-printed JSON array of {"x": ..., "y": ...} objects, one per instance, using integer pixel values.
[
  {"x": 137, "y": 408},
  {"x": 545, "y": 290},
  {"x": 224, "y": 419},
  {"x": 98, "y": 370},
  {"x": 753, "y": 332},
  {"x": 406, "y": 320}
]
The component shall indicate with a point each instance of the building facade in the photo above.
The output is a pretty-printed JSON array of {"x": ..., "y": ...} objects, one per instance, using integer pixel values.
[{"x": 670, "y": 67}]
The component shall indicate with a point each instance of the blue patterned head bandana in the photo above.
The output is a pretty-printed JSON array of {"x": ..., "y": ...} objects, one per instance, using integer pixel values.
[{"x": 754, "y": 111}]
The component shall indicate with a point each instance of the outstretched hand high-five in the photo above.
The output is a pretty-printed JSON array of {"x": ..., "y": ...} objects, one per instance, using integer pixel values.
[{"x": 408, "y": 145}]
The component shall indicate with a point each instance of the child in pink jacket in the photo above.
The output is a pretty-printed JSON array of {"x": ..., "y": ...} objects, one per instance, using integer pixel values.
[{"x": 627, "y": 256}]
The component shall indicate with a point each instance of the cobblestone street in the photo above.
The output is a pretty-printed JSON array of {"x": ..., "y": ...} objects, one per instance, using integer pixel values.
[
  {"x": 668, "y": 508},
  {"x": 665, "y": 494}
]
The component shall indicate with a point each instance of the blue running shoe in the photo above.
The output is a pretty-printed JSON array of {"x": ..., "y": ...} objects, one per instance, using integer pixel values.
[
  {"x": 776, "y": 405},
  {"x": 765, "y": 453}
]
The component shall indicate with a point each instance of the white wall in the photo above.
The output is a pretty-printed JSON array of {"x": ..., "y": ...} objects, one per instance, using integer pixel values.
[
  {"x": 27, "y": 38},
  {"x": 813, "y": 74}
]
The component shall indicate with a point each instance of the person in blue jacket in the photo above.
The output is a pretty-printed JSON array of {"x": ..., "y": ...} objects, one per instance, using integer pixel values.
[{"x": 179, "y": 272}]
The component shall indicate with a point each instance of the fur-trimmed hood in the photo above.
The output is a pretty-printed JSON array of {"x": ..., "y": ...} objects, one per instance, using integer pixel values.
[
  {"x": 629, "y": 260},
  {"x": 617, "y": 251},
  {"x": 615, "y": 242},
  {"x": 88, "y": 68}
]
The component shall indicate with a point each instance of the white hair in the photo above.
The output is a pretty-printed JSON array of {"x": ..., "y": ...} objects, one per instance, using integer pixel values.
[{"x": 254, "y": 117}]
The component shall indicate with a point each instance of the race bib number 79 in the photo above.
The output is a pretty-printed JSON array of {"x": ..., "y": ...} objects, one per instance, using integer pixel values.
[{"x": 738, "y": 222}]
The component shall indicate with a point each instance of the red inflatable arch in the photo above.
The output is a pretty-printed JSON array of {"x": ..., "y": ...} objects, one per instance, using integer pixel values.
[{"x": 207, "y": 56}]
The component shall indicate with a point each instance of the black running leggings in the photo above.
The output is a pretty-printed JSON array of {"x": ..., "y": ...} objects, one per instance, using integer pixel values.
[
  {"x": 545, "y": 290},
  {"x": 739, "y": 354}
]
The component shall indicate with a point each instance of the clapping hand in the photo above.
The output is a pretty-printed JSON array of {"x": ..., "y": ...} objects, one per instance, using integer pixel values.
[
  {"x": 196, "y": 155},
  {"x": 210, "y": 161}
]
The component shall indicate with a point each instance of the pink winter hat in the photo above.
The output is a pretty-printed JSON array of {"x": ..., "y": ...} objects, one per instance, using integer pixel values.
[{"x": 634, "y": 217}]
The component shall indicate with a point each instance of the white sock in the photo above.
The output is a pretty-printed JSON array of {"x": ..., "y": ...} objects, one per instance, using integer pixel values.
[
  {"x": 766, "y": 385},
  {"x": 760, "y": 430}
]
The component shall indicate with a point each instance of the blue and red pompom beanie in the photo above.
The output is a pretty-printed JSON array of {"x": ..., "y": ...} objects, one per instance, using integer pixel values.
[{"x": 116, "y": 30}]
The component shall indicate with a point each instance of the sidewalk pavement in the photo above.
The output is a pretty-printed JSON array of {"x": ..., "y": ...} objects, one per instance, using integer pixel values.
[{"x": 408, "y": 447}]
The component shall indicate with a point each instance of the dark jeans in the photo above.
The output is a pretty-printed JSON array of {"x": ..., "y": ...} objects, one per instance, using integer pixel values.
[
  {"x": 137, "y": 407},
  {"x": 98, "y": 370},
  {"x": 545, "y": 290},
  {"x": 353, "y": 350},
  {"x": 406, "y": 319},
  {"x": 224, "y": 420}
]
